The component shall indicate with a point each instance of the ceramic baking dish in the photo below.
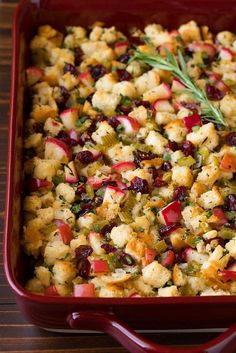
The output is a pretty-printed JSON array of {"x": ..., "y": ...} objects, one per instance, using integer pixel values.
[{"x": 117, "y": 317}]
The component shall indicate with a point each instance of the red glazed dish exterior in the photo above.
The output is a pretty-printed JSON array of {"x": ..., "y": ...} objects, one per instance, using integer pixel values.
[{"x": 62, "y": 312}]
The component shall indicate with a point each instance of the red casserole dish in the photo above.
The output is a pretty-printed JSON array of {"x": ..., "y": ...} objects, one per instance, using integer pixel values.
[{"x": 109, "y": 315}]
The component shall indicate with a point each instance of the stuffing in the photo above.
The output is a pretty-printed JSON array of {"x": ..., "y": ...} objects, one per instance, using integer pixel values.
[
  {"x": 228, "y": 108},
  {"x": 103, "y": 130},
  {"x": 34, "y": 285},
  {"x": 142, "y": 287},
  {"x": 211, "y": 199},
  {"x": 68, "y": 81},
  {"x": 106, "y": 83},
  {"x": 176, "y": 131},
  {"x": 32, "y": 203},
  {"x": 66, "y": 191},
  {"x": 182, "y": 175},
  {"x": 63, "y": 272},
  {"x": 206, "y": 136},
  {"x": 87, "y": 220},
  {"x": 120, "y": 235},
  {"x": 41, "y": 113},
  {"x": 139, "y": 114},
  {"x": 177, "y": 239},
  {"x": 156, "y": 141},
  {"x": 55, "y": 250},
  {"x": 47, "y": 199},
  {"x": 134, "y": 69},
  {"x": 44, "y": 275},
  {"x": 107, "y": 102},
  {"x": 178, "y": 277},
  {"x": 76, "y": 242},
  {"x": 194, "y": 219},
  {"x": 46, "y": 214},
  {"x": 209, "y": 174},
  {"x": 226, "y": 38},
  {"x": 65, "y": 214},
  {"x": 135, "y": 247},
  {"x": 96, "y": 242},
  {"x": 140, "y": 173},
  {"x": 33, "y": 141},
  {"x": 119, "y": 153},
  {"x": 157, "y": 35},
  {"x": 110, "y": 291},
  {"x": 156, "y": 275},
  {"x": 190, "y": 32},
  {"x": 231, "y": 247},
  {"x": 147, "y": 81},
  {"x": 163, "y": 118},
  {"x": 45, "y": 168},
  {"x": 124, "y": 88},
  {"x": 97, "y": 50},
  {"x": 171, "y": 291},
  {"x": 33, "y": 238}
]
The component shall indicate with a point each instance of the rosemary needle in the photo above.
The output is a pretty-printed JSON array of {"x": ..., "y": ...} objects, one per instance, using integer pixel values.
[{"x": 179, "y": 70}]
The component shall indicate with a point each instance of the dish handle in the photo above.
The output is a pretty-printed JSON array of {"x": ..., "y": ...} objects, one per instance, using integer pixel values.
[{"x": 134, "y": 343}]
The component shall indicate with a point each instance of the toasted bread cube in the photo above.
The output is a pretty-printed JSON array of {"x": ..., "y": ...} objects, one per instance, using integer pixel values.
[{"x": 156, "y": 275}]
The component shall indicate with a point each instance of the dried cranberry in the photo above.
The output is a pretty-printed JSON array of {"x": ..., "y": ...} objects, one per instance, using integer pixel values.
[
  {"x": 80, "y": 190},
  {"x": 63, "y": 136},
  {"x": 70, "y": 68},
  {"x": 191, "y": 106},
  {"x": 166, "y": 166},
  {"x": 64, "y": 96},
  {"x": 98, "y": 201},
  {"x": 139, "y": 102},
  {"x": 153, "y": 171},
  {"x": 180, "y": 257},
  {"x": 108, "y": 248},
  {"x": 92, "y": 127},
  {"x": 78, "y": 55},
  {"x": 85, "y": 157},
  {"x": 188, "y": 51},
  {"x": 123, "y": 75},
  {"x": 213, "y": 93},
  {"x": 113, "y": 122},
  {"x": 124, "y": 58},
  {"x": 98, "y": 71},
  {"x": 180, "y": 193},
  {"x": 172, "y": 145},
  {"x": 82, "y": 178},
  {"x": 159, "y": 182},
  {"x": 83, "y": 251},
  {"x": 188, "y": 148},
  {"x": 89, "y": 97},
  {"x": 126, "y": 259},
  {"x": 84, "y": 268},
  {"x": 107, "y": 229},
  {"x": 230, "y": 202},
  {"x": 140, "y": 156},
  {"x": 125, "y": 110},
  {"x": 139, "y": 185},
  {"x": 100, "y": 118},
  {"x": 230, "y": 139},
  {"x": 38, "y": 128},
  {"x": 166, "y": 230},
  {"x": 83, "y": 139},
  {"x": 136, "y": 41},
  {"x": 221, "y": 241}
]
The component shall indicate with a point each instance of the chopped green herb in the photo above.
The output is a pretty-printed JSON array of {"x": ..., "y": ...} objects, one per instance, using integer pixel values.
[
  {"x": 79, "y": 122},
  {"x": 61, "y": 197},
  {"x": 166, "y": 157},
  {"x": 96, "y": 228},
  {"x": 125, "y": 100},
  {"x": 75, "y": 208},
  {"x": 57, "y": 179}
]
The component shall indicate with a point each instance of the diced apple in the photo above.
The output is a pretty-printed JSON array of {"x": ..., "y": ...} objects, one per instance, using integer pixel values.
[
  {"x": 174, "y": 33},
  {"x": 193, "y": 255},
  {"x": 226, "y": 54},
  {"x": 227, "y": 275},
  {"x": 95, "y": 240},
  {"x": 123, "y": 166},
  {"x": 171, "y": 213},
  {"x": 135, "y": 295},
  {"x": 191, "y": 121},
  {"x": 69, "y": 117},
  {"x": 177, "y": 86},
  {"x": 70, "y": 175},
  {"x": 86, "y": 78},
  {"x": 130, "y": 125},
  {"x": 64, "y": 230},
  {"x": 168, "y": 258},
  {"x": 36, "y": 184},
  {"x": 51, "y": 290},
  {"x": 163, "y": 105},
  {"x": 97, "y": 182},
  {"x": 113, "y": 195},
  {"x": 162, "y": 91},
  {"x": 218, "y": 83},
  {"x": 150, "y": 255},
  {"x": 121, "y": 47},
  {"x": 33, "y": 75},
  {"x": 203, "y": 47},
  {"x": 84, "y": 290},
  {"x": 221, "y": 216},
  {"x": 121, "y": 185},
  {"x": 99, "y": 266},
  {"x": 56, "y": 149}
]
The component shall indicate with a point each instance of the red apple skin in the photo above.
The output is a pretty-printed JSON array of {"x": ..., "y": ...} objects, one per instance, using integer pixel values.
[
  {"x": 63, "y": 148},
  {"x": 84, "y": 290},
  {"x": 123, "y": 166},
  {"x": 36, "y": 184},
  {"x": 150, "y": 255},
  {"x": 65, "y": 231},
  {"x": 52, "y": 290},
  {"x": 100, "y": 266},
  {"x": 171, "y": 213},
  {"x": 130, "y": 125},
  {"x": 33, "y": 75}
]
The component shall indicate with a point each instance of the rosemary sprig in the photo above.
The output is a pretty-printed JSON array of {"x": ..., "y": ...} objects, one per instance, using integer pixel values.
[{"x": 179, "y": 70}]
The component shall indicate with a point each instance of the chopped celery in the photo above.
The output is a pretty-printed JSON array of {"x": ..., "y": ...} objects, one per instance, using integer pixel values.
[
  {"x": 186, "y": 161},
  {"x": 160, "y": 246}
]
